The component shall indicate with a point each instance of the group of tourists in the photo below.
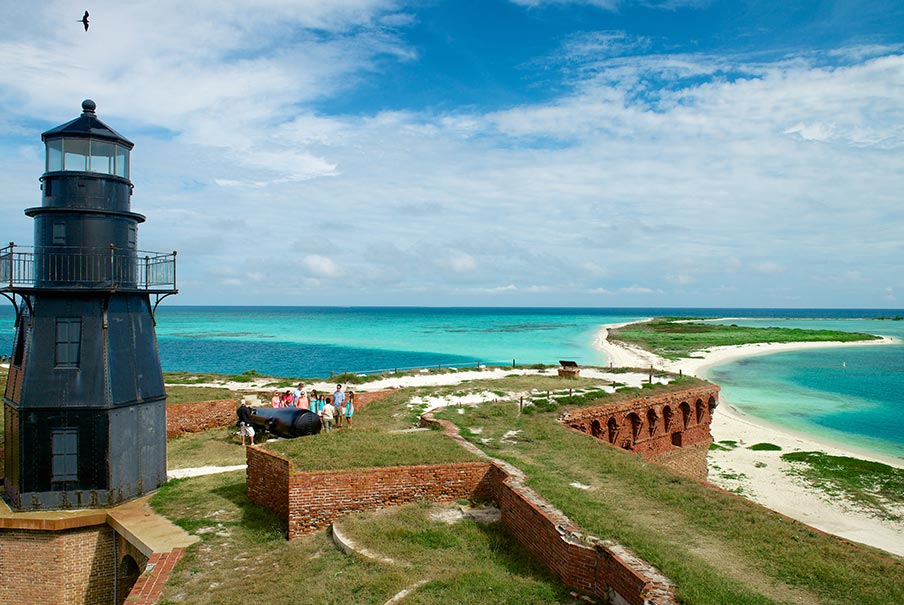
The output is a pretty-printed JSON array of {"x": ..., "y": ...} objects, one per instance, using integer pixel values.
[{"x": 330, "y": 408}]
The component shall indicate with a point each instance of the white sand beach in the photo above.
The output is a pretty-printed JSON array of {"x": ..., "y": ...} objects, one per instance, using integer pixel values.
[{"x": 761, "y": 475}]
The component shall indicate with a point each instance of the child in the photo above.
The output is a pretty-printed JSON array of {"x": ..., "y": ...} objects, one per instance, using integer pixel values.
[{"x": 349, "y": 408}]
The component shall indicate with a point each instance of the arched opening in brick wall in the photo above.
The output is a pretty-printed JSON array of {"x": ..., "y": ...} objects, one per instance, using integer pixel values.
[
  {"x": 712, "y": 406},
  {"x": 685, "y": 414},
  {"x": 651, "y": 421},
  {"x": 701, "y": 410},
  {"x": 612, "y": 427},
  {"x": 636, "y": 424},
  {"x": 128, "y": 575},
  {"x": 596, "y": 429},
  {"x": 667, "y": 418}
]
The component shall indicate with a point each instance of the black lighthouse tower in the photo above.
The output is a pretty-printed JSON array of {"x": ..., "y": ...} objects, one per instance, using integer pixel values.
[{"x": 84, "y": 407}]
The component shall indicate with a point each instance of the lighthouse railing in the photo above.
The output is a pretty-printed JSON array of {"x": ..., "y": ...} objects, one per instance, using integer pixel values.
[{"x": 91, "y": 268}]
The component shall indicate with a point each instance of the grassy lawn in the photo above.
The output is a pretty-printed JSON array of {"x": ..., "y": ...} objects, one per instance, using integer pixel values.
[
  {"x": 672, "y": 340},
  {"x": 348, "y": 449},
  {"x": 188, "y": 394},
  {"x": 213, "y": 447},
  {"x": 243, "y": 556},
  {"x": 717, "y": 548}
]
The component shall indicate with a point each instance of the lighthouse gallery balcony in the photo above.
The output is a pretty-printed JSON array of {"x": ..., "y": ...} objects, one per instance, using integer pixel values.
[{"x": 68, "y": 268}]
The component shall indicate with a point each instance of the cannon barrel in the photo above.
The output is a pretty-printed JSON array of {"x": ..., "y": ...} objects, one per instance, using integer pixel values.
[{"x": 286, "y": 422}]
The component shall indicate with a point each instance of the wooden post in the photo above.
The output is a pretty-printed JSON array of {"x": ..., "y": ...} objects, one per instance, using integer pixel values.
[
  {"x": 521, "y": 404},
  {"x": 513, "y": 364}
]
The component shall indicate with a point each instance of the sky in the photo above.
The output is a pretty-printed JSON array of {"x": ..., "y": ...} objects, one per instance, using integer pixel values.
[{"x": 581, "y": 153}]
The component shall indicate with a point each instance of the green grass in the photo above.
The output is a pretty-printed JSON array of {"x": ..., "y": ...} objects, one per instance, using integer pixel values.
[
  {"x": 765, "y": 447},
  {"x": 243, "y": 556},
  {"x": 673, "y": 340},
  {"x": 213, "y": 447},
  {"x": 872, "y": 485},
  {"x": 188, "y": 394},
  {"x": 348, "y": 449},
  {"x": 717, "y": 548},
  {"x": 465, "y": 562}
]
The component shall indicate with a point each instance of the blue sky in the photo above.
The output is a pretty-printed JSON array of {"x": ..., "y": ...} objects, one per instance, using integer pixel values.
[{"x": 501, "y": 152}]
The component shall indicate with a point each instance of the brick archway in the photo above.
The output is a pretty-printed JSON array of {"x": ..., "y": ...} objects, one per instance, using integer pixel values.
[
  {"x": 596, "y": 429},
  {"x": 685, "y": 414},
  {"x": 652, "y": 417},
  {"x": 612, "y": 429},
  {"x": 667, "y": 415}
]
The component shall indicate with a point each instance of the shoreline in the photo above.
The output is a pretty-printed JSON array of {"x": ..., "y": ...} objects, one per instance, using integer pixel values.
[{"x": 761, "y": 475}]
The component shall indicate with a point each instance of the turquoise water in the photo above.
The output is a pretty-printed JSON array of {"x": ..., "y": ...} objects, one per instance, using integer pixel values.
[{"x": 851, "y": 395}]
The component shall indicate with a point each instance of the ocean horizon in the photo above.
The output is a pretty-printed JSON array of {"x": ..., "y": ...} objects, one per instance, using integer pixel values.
[{"x": 850, "y": 395}]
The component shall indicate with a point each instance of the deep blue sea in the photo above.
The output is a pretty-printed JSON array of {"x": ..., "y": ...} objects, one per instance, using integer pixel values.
[{"x": 854, "y": 395}]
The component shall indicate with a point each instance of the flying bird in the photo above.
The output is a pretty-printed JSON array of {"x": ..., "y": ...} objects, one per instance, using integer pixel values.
[{"x": 84, "y": 21}]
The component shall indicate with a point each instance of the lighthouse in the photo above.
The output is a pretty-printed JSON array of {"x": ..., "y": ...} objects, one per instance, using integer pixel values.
[{"x": 84, "y": 406}]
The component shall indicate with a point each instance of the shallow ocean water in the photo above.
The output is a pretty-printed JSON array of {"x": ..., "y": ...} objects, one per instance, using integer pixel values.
[{"x": 851, "y": 395}]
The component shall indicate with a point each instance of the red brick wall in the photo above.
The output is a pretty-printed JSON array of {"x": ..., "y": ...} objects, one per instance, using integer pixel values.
[
  {"x": 689, "y": 461},
  {"x": 199, "y": 416},
  {"x": 317, "y": 499},
  {"x": 53, "y": 567},
  {"x": 362, "y": 399},
  {"x": 649, "y": 436},
  {"x": 268, "y": 480},
  {"x": 149, "y": 587}
]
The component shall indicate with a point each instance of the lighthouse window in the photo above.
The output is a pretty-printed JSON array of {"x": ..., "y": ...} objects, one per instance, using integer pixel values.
[
  {"x": 59, "y": 234},
  {"x": 54, "y": 155},
  {"x": 122, "y": 161},
  {"x": 68, "y": 341},
  {"x": 75, "y": 154},
  {"x": 101, "y": 157},
  {"x": 64, "y": 448}
]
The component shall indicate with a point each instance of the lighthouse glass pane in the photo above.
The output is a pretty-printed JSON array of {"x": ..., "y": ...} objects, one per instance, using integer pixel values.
[
  {"x": 75, "y": 154},
  {"x": 54, "y": 155},
  {"x": 101, "y": 157},
  {"x": 122, "y": 161}
]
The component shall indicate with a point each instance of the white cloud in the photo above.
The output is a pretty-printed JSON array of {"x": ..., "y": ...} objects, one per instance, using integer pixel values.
[{"x": 321, "y": 266}]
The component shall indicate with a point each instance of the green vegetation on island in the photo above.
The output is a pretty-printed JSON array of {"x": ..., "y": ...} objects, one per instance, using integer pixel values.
[
  {"x": 674, "y": 338},
  {"x": 871, "y": 485}
]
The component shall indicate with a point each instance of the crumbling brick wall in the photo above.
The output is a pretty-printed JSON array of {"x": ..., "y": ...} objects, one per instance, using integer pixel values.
[{"x": 666, "y": 428}]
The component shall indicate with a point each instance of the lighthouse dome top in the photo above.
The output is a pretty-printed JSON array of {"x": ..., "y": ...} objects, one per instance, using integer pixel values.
[{"x": 87, "y": 125}]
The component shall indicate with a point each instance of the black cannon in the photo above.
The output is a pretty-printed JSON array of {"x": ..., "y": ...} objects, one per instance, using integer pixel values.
[{"x": 286, "y": 422}]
